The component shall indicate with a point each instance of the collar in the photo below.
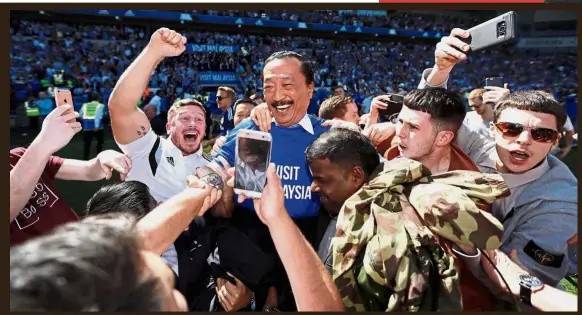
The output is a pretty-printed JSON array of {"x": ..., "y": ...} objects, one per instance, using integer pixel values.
[
  {"x": 514, "y": 180},
  {"x": 305, "y": 123}
]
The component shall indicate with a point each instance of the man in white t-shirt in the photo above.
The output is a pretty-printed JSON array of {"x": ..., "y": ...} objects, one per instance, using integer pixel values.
[{"x": 163, "y": 164}]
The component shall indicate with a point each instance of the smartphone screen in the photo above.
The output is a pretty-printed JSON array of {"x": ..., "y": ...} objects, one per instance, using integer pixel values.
[{"x": 253, "y": 155}]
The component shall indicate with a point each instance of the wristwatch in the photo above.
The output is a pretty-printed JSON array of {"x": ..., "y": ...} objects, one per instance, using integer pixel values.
[
  {"x": 528, "y": 285},
  {"x": 208, "y": 175}
]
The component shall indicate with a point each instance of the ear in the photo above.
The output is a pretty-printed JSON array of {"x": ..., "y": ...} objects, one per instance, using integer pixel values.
[
  {"x": 557, "y": 140},
  {"x": 492, "y": 129},
  {"x": 168, "y": 125},
  {"x": 358, "y": 176},
  {"x": 444, "y": 138},
  {"x": 310, "y": 89}
]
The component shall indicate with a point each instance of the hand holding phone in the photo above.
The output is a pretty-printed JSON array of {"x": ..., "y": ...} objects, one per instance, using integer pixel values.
[
  {"x": 64, "y": 97},
  {"x": 394, "y": 102},
  {"x": 252, "y": 158}
]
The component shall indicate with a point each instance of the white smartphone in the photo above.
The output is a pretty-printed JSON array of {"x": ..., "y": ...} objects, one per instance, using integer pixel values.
[{"x": 252, "y": 158}]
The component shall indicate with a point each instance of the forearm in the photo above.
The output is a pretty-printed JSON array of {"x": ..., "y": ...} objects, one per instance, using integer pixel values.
[
  {"x": 162, "y": 226},
  {"x": 550, "y": 299},
  {"x": 24, "y": 177},
  {"x": 81, "y": 170},
  {"x": 438, "y": 77},
  {"x": 311, "y": 283},
  {"x": 132, "y": 83},
  {"x": 373, "y": 119}
]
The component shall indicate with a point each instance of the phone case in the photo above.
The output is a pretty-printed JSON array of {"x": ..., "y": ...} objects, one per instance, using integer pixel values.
[
  {"x": 497, "y": 81},
  {"x": 492, "y": 33},
  {"x": 253, "y": 134}
]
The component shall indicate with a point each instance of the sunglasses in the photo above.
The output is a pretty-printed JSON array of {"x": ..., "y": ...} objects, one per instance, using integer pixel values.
[{"x": 538, "y": 134}]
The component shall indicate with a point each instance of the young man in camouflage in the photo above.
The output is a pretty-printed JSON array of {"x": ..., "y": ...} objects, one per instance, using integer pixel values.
[{"x": 383, "y": 256}]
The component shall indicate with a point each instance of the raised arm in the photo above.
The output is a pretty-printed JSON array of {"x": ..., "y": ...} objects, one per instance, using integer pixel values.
[
  {"x": 310, "y": 282},
  {"x": 128, "y": 122},
  {"x": 56, "y": 133},
  {"x": 448, "y": 52}
]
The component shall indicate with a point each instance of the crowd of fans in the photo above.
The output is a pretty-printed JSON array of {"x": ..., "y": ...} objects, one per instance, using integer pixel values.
[{"x": 428, "y": 208}]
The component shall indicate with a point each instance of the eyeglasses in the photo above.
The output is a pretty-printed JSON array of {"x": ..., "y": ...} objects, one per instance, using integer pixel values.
[
  {"x": 220, "y": 98},
  {"x": 538, "y": 134}
]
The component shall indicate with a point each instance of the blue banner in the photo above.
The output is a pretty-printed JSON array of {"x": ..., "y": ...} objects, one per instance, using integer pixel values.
[
  {"x": 212, "y": 48},
  {"x": 218, "y": 78}
]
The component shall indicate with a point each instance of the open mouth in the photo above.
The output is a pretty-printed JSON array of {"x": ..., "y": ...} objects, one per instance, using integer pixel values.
[
  {"x": 519, "y": 155},
  {"x": 190, "y": 136}
]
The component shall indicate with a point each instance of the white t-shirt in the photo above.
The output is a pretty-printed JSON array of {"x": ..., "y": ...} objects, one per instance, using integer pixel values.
[
  {"x": 159, "y": 164},
  {"x": 162, "y": 167},
  {"x": 476, "y": 123}
]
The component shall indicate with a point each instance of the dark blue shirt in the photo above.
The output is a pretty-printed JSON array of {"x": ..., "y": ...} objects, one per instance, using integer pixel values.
[{"x": 288, "y": 154}]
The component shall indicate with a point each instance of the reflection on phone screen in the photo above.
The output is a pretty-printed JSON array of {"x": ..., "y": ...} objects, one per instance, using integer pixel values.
[{"x": 252, "y": 160}]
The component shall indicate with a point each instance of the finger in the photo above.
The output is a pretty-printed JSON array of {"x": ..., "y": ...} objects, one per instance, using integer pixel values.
[
  {"x": 127, "y": 162},
  {"x": 255, "y": 117},
  {"x": 176, "y": 40},
  {"x": 116, "y": 166},
  {"x": 492, "y": 88},
  {"x": 184, "y": 40},
  {"x": 327, "y": 123},
  {"x": 241, "y": 198},
  {"x": 455, "y": 42},
  {"x": 107, "y": 171},
  {"x": 448, "y": 52},
  {"x": 224, "y": 162},
  {"x": 460, "y": 33},
  {"x": 272, "y": 176},
  {"x": 122, "y": 177},
  {"x": 75, "y": 125},
  {"x": 230, "y": 171},
  {"x": 170, "y": 36},
  {"x": 164, "y": 31},
  {"x": 70, "y": 116}
]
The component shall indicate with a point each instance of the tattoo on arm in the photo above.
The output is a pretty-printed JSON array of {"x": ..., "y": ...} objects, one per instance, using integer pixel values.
[{"x": 140, "y": 133}]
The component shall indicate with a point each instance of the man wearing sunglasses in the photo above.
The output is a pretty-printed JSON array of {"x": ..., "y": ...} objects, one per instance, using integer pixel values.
[{"x": 540, "y": 216}]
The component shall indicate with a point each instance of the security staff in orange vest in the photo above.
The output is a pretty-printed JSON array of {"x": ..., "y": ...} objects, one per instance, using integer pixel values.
[{"x": 92, "y": 114}]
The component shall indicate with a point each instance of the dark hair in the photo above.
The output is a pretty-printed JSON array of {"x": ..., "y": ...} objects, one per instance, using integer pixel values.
[
  {"x": 446, "y": 108},
  {"x": 91, "y": 265},
  {"x": 129, "y": 197},
  {"x": 243, "y": 101},
  {"x": 339, "y": 86},
  {"x": 306, "y": 68},
  {"x": 344, "y": 147},
  {"x": 535, "y": 101},
  {"x": 334, "y": 107},
  {"x": 95, "y": 97}
]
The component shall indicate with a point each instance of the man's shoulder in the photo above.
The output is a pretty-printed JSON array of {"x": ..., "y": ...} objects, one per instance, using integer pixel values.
[{"x": 317, "y": 127}]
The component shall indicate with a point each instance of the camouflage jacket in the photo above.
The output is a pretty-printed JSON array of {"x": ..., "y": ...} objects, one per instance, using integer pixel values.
[{"x": 386, "y": 253}]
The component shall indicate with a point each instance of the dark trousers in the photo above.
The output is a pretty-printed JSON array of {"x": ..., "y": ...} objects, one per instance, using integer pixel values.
[
  {"x": 33, "y": 122},
  {"x": 88, "y": 138}
]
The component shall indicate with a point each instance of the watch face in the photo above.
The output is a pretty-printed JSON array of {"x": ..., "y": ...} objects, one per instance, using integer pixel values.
[
  {"x": 530, "y": 281},
  {"x": 214, "y": 180}
]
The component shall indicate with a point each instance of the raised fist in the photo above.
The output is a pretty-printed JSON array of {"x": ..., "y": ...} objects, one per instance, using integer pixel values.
[{"x": 167, "y": 43}]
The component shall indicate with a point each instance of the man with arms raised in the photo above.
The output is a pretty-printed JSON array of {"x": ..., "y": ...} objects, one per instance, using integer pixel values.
[
  {"x": 162, "y": 164},
  {"x": 540, "y": 216}
]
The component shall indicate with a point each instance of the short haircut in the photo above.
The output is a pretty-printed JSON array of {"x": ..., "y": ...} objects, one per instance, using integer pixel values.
[
  {"x": 345, "y": 147},
  {"x": 334, "y": 107},
  {"x": 306, "y": 68},
  {"x": 243, "y": 101},
  {"x": 477, "y": 93},
  {"x": 535, "y": 101},
  {"x": 228, "y": 91},
  {"x": 184, "y": 103},
  {"x": 446, "y": 108},
  {"x": 130, "y": 197},
  {"x": 92, "y": 265},
  {"x": 338, "y": 87}
]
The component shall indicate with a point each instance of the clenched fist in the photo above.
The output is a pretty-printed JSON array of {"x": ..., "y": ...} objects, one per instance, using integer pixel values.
[{"x": 167, "y": 43}]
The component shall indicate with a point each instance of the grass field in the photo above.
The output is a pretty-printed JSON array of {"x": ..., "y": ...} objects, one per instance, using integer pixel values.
[{"x": 78, "y": 193}]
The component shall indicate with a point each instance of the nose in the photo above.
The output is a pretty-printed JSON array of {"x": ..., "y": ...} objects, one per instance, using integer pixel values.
[
  {"x": 314, "y": 187},
  {"x": 278, "y": 94},
  {"x": 400, "y": 133},
  {"x": 524, "y": 137}
]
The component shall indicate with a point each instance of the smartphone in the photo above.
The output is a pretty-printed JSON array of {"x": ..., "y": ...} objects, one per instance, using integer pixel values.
[
  {"x": 64, "y": 97},
  {"x": 252, "y": 158},
  {"x": 394, "y": 102},
  {"x": 495, "y": 81},
  {"x": 496, "y": 31}
]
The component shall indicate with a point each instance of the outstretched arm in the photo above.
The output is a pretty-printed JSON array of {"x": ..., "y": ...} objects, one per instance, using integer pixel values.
[{"x": 128, "y": 122}]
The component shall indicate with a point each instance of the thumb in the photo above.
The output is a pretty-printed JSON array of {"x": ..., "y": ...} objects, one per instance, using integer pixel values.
[
  {"x": 59, "y": 110},
  {"x": 272, "y": 176},
  {"x": 505, "y": 86},
  {"x": 107, "y": 171}
]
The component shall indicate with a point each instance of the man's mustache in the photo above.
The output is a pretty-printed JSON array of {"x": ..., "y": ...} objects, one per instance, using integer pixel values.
[{"x": 282, "y": 103}]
